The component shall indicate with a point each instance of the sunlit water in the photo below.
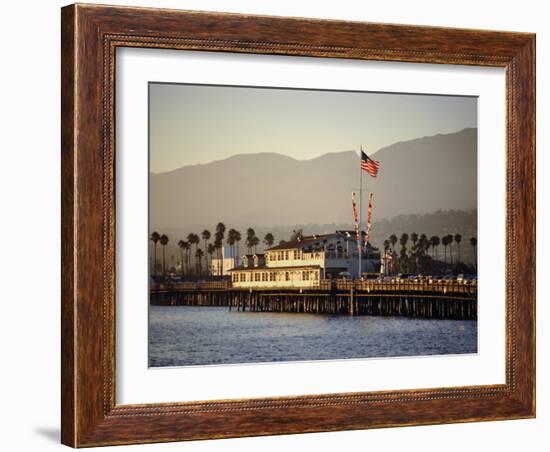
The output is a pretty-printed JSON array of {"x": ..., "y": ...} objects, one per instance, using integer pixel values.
[{"x": 188, "y": 335}]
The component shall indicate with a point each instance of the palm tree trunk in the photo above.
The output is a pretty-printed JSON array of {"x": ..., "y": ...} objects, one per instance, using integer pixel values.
[
  {"x": 155, "y": 260},
  {"x": 206, "y": 255},
  {"x": 163, "y": 260}
]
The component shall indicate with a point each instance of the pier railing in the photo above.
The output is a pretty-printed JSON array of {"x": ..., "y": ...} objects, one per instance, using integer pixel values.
[
  {"x": 424, "y": 286},
  {"x": 408, "y": 286}
]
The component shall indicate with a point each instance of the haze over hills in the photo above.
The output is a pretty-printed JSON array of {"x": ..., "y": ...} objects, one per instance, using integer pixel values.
[{"x": 271, "y": 190}]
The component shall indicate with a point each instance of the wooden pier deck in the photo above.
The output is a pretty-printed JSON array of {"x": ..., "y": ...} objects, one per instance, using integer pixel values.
[{"x": 441, "y": 299}]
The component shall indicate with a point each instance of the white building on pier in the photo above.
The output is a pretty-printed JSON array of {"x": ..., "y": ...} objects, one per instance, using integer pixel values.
[{"x": 304, "y": 262}]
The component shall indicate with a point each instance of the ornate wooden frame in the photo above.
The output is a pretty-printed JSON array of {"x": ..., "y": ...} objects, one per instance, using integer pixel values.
[{"x": 90, "y": 35}]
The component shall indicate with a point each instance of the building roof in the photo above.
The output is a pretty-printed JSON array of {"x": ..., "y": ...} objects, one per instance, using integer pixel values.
[
  {"x": 312, "y": 239},
  {"x": 303, "y": 242}
]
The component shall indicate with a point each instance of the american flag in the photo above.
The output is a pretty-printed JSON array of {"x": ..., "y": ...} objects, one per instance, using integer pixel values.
[{"x": 369, "y": 165}]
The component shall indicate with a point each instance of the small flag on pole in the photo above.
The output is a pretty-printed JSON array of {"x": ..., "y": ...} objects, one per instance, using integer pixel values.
[
  {"x": 354, "y": 206},
  {"x": 369, "y": 165},
  {"x": 369, "y": 221}
]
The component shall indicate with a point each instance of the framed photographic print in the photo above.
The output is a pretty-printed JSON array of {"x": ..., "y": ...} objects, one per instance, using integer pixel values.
[{"x": 281, "y": 225}]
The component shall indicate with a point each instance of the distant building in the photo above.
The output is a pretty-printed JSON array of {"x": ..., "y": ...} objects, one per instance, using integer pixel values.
[
  {"x": 221, "y": 267},
  {"x": 304, "y": 262}
]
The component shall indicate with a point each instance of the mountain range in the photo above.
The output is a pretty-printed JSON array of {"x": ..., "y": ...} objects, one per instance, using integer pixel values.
[{"x": 270, "y": 189}]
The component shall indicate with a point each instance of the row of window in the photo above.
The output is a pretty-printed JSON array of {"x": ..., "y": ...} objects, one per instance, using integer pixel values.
[
  {"x": 283, "y": 255},
  {"x": 306, "y": 275}
]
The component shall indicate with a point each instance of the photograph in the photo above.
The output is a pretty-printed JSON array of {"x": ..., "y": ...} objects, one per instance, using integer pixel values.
[
  {"x": 292, "y": 224},
  {"x": 275, "y": 226}
]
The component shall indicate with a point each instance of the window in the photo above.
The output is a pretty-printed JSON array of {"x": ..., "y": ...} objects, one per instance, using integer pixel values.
[
  {"x": 272, "y": 276},
  {"x": 287, "y": 276},
  {"x": 256, "y": 276},
  {"x": 296, "y": 254},
  {"x": 286, "y": 255}
]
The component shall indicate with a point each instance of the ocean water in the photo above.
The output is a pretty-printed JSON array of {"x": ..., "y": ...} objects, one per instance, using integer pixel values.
[{"x": 189, "y": 335}]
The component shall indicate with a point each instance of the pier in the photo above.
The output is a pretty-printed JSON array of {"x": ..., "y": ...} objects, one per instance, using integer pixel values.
[{"x": 437, "y": 300}]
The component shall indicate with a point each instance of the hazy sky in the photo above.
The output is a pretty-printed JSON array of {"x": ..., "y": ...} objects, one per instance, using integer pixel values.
[{"x": 192, "y": 124}]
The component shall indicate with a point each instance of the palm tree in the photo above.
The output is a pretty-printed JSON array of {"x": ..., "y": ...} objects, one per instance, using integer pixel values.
[
  {"x": 450, "y": 242},
  {"x": 424, "y": 243},
  {"x": 403, "y": 258},
  {"x": 414, "y": 239},
  {"x": 181, "y": 245},
  {"x": 435, "y": 241},
  {"x": 219, "y": 254},
  {"x": 393, "y": 241},
  {"x": 237, "y": 240},
  {"x": 193, "y": 239},
  {"x": 198, "y": 257},
  {"x": 445, "y": 243},
  {"x": 231, "y": 242},
  {"x": 414, "y": 251},
  {"x": 423, "y": 251},
  {"x": 164, "y": 241},
  {"x": 269, "y": 239},
  {"x": 255, "y": 242},
  {"x": 403, "y": 240},
  {"x": 458, "y": 239},
  {"x": 386, "y": 249},
  {"x": 187, "y": 248},
  {"x": 473, "y": 242},
  {"x": 211, "y": 249},
  {"x": 218, "y": 243},
  {"x": 155, "y": 237},
  {"x": 250, "y": 234},
  {"x": 188, "y": 252},
  {"x": 297, "y": 234},
  {"x": 206, "y": 236}
]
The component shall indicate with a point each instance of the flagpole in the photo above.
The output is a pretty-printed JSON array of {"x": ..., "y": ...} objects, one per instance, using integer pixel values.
[{"x": 360, "y": 244}]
